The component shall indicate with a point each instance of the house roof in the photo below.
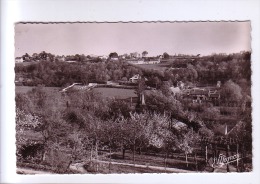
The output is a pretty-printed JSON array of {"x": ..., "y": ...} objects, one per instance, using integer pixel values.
[
  {"x": 178, "y": 124},
  {"x": 175, "y": 89},
  {"x": 199, "y": 92},
  {"x": 137, "y": 76},
  {"x": 234, "y": 130},
  {"x": 228, "y": 130},
  {"x": 214, "y": 95}
]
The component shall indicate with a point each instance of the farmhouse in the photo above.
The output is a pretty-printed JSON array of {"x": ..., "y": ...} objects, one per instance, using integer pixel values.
[
  {"x": 175, "y": 91},
  {"x": 214, "y": 96},
  {"x": 18, "y": 59},
  {"x": 135, "y": 61},
  {"x": 151, "y": 60},
  {"x": 114, "y": 59},
  {"x": 103, "y": 57},
  {"x": 135, "y": 55},
  {"x": 142, "y": 61},
  {"x": 60, "y": 58},
  {"x": 135, "y": 78},
  {"x": 198, "y": 95}
]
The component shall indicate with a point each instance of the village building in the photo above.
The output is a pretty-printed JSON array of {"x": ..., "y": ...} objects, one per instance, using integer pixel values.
[
  {"x": 60, "y": 58},
  {"x": 199, "y": 95},
  {"x": 135, "y": 55},
  {"x": 135, "y": 61},
  {"x": 19, "y": 59},
  {"x": 176, "y": 91},
  {"x": 114, "y": 58},
  {"x": 180, "y": 84},
  {"x": 135, "y": 78},
  {"x": 104, "y": 57}
]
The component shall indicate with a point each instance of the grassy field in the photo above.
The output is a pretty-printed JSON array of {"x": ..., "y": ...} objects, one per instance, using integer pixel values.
[
  {"x": 158, "y": 67},
  {"x": 116, "y": 92},
  {"x": 26, "y": 63},
  {"x": 25, "y": 89}
]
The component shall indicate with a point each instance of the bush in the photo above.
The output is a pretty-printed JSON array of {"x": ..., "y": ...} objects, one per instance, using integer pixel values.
[
  {"x": 58, "y": 160},
  {"x": 91, "y": 166}
]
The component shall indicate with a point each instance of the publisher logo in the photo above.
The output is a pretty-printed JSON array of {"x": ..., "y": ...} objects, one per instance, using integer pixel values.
[{"x": 222, "y": 160}]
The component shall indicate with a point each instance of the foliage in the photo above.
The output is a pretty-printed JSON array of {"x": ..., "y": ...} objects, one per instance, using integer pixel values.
[
  {"x": 58, "y": 74},
  {"x": 76, "y": 125},
  {"x": 188, "y": 141},
  {"x": 166, "y": 55},
  {"x": 144, "y": 53},
  {"x": 25, "y": 122},
  {"x": 113, "y": 55},
  {"x": 231, "y": 91},
  {"x": 157, "y": 102}
]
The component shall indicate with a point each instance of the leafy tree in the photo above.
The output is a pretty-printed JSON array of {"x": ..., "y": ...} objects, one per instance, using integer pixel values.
[
  {"x": 206, "y": 132},
  {"x": 160, "y": 135},
  {"x": 141, "y": 86},
  {"x": 26, "y": 57},
  {"x": 113, "y": 55},
  {"x": 165, "y": 88},
  {"x": 211, "y": 112},
  {"x": 135, "y": 127},
  {"x": 144, "y": 53},
  {"x": 231, "y": 91},
  {"x": 111, "y": 136},
  {"x": 156, "y": 81},
  {"x": 187, "y": 143},
  {"x": 118, "y": 108},
  {"x": 166, "y": 55},
  {"x": 157, "y": 102},
  {"x": 25, "y": 123},
  {"x": 43, "y": 55}
]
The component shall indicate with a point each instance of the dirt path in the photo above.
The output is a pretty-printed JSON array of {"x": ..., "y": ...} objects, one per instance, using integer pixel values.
[
  {"x": 174, "y": 170},
  {"x": 79, "y": 167},
  {"x": 30, "y": 171},
  {"x": 223, "y": 169}
]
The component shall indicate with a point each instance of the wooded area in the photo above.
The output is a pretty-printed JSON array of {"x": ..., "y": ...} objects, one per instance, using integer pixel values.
[{"x": 57, "y": 129}]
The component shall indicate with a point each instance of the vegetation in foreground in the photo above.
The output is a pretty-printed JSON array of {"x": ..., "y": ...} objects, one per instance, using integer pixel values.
[{"x": 57, "y": 129}]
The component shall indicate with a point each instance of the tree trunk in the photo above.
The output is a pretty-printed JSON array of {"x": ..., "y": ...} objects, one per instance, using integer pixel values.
[
  {"x": 196, "y": 161},
  {"x": 97, "y": 154},
  {"x": 91, "y": 155},
  {"x": 227, "y": 155},
  {"x": 243, "y": 156},
  {"x": 206, "y": 154},
  {"x": 44, "y": 156},
  {"x": 68, "y": 166},
  {"x": 109, "y": 167},
  {"x": 215, "y": 151},
  {"x": 134, "y": 154},
  {"x": 186, "y": 156},
  {"x": 237, "y": 157},
  {"x": 123, "y": 150},
  {"x": 165, "y": 161}
]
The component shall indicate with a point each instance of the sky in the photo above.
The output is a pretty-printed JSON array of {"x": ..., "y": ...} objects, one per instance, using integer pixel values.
[{"x": 194, "y": 38}]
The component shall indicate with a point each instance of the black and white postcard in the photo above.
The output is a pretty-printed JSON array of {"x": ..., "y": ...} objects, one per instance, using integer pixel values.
[
  {"x": 161, "y": 97},
  {"x": 130, "y": 97}
]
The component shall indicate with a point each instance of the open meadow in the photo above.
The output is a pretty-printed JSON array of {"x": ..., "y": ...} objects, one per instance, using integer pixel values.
[
  {"x": 156, "y": 67},
  {"x": 116, "y": 92},
  {"x": 25, "y": 89}
]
